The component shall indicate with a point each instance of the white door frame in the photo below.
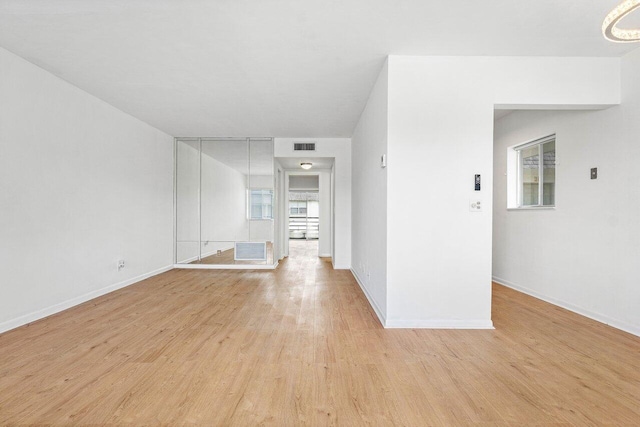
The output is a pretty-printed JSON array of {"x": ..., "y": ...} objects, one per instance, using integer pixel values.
[{"x": 327, "y": 222}]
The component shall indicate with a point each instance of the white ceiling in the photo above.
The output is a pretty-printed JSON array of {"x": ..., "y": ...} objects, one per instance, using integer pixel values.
[
  {"x": 498, "y": 114},
  {"x": 280, "y": 68},
  {"x": 294, "y": 162}
]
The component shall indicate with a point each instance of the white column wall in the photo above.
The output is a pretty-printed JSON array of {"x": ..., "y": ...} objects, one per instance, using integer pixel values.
[
  {"x": 369, "y": 224},
  {"x": 440, "y": 133}
]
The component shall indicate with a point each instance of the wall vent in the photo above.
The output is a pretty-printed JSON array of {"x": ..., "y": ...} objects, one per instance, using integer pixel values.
[
  {"x": 250, "y": 251},
  {"x": 304, "y": 146}
]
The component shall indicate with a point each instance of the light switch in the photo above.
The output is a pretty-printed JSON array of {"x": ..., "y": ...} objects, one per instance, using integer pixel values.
[{"x": 594, "y": 173}]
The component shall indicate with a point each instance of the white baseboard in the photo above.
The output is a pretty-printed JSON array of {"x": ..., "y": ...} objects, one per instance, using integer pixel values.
[
  {"x": 632, "y": 329},
  {"x": 372, "y": 302},
  {"x": 56, "y": 308},
  {"x": 324, "y": 256},
  {"x": 440, "y": 324},
  {"x": 422, "y": 323}
]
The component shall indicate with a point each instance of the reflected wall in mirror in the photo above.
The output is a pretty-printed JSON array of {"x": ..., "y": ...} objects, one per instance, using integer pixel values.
[
  {"x": 261, "y": 191},
  {"x": 187, "y": 200},
  {"x": 225, "y": 175}
]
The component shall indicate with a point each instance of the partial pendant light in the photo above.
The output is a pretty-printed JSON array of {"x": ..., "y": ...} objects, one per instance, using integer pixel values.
[
  {"x": 615, "y": 34},
  {"x": 306, "y": 165}
]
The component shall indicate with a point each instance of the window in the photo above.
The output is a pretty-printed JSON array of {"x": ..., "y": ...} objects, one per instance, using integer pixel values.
[
  {"x": 536, "y": 173},
  {"x": 260, "y": 204},
  {"x": 297, "y": 207}
]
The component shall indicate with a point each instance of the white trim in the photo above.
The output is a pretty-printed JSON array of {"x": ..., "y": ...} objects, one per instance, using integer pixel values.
[
  {"x": 421, "y": 323},
  {"x": 56, "y": 308},
  {"x": 623, "y": 326},
  {"x": 537, "y": 141},
  {"x": 372, "y": 302},
  {"x": 324, "y": 256},
  {"x": 227, "y": 266},
  {"x": 339, "y": 266},
  {"x": 533, "y": 208},
  {"x": 440, "y": 324},
  {"x": 175, "y": 200}
]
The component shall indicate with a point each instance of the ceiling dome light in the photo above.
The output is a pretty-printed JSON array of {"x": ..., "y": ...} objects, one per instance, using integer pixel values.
[
  {"x": 307, "y": 165},
  {"x": 609, "y": 29}
]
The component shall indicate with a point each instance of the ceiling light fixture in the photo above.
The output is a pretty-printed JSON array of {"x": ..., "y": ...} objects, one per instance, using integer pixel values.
[
  {"x": 306, "y": 165},
  {"x": 615, "y": 34}
]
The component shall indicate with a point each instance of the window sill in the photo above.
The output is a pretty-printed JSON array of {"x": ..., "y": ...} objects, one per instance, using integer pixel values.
[{"x": 533, "y": 208}]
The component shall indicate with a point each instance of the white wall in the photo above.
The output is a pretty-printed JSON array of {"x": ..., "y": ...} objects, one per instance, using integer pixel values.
[
  {"x": 280, "y": 213},
  {"x": 82, "y": 185},
  {"x": 224, "y": 206},
  {"x": 585, "y": 254},
  {"x": 304, "y": 182},
  {"x": 261, "y": 181},
  {"x": 440, "y": 133},
  {"x": 340, "y": 149},
  {"x": 187, "y": 201},
  {"x": 324, "y": 187},
  {"x": 369, "y": 210}
]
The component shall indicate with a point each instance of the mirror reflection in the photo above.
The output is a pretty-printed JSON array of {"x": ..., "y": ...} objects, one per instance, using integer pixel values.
[{"x": 224, "y": 201}]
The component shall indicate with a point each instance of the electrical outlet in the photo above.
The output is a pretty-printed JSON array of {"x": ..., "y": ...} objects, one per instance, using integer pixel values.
[
  {"x": 475, "y": 205},
  {"x": 120, "y": 264},
  {"x": 219, "y": 252}
]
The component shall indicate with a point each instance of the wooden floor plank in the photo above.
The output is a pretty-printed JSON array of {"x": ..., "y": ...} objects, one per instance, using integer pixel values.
[{"x": 300, "y": 345}]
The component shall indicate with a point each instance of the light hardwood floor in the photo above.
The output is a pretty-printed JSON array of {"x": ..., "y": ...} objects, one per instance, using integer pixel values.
[{"x": 301, "y": 346}]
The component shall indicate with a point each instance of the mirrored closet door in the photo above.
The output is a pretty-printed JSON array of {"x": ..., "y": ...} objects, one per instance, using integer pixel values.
[{"x": 224, "y": 201}]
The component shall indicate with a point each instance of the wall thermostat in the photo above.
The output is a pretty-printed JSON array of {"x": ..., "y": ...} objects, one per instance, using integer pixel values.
[{"x": 477, "y": 182}]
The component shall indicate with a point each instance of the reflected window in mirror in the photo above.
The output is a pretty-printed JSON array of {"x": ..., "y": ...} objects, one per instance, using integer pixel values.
[{"x": 260, "y": 204}]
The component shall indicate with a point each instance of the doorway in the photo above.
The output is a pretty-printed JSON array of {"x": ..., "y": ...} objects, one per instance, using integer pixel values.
[
  {"x": 307, "y": 205},
  {"x": 304, "y": 213}
]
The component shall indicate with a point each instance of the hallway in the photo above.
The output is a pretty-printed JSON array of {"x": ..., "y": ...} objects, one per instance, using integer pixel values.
[
  {"x": 301, "y": 345},
  {"x": 303, "y": 249}
]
